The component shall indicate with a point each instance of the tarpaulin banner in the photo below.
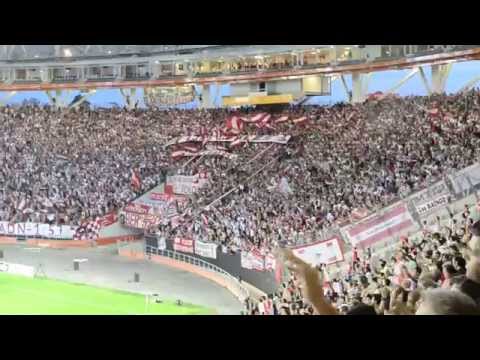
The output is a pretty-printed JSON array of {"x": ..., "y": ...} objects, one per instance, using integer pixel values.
[
  {"x": 212, "y": 152},
  {"x": 253, "y": 260},
  {"x": 37, "y": 230},
  {"x": 430, "y": 200},
  {"x": 270, "y": 262},
  {"x": 139, "y": 221},
  {"x": 246, "y": 260},
  {"x": 323, "y": 252},
  {"x": 380, "y": 226},
  {"x": 466, "y": 179},
  {"x": 186, "y": 185},
  {"x": 279, "y": 139},
  {"x": 183, "y": 245},
  {"x": 208, "y": 250}
]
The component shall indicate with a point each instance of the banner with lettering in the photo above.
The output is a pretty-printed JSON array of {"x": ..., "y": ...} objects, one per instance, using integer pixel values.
[
  {"x": 183, "y": 245},
  {"x": 430, "y": 200},
  {"x": 37, "y": 230},
  {"x": 208, "y": 250}
]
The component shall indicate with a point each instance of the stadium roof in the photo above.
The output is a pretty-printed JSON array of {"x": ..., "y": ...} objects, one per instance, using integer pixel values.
[{"x": 43, "y": 52}]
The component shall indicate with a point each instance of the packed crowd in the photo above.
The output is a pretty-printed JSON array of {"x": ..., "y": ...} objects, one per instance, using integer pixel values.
[
  {"x": 345, "y": 160},
  {"x": 436, "y": 274},
  {"x": 61, "y": 167}
]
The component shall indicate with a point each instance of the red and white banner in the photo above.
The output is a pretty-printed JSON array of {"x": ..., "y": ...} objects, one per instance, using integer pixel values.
[
  {"x": 208, "y": 250},
  {"x": 137, "y": 208},
  {"x": 212, "y": 152},
  {"x": 300, "y": 121},
  {"x": 255, "y": 119},
  {"x": 136, "y": 181},
  {"x": 278, "y": 139},
  {"x": 186, "y": 185},
  {"x": 270, "y": 262},
  {"x": 108, "y": 220},
  {"x": 281, "y": 119},
  {"x": 323, "y": 252},
  {"x": 380, "y": 227},
  {"x": 253, "y": 260},
  {"x": 234, "y": 125},
  {"x": 359, "y": 213},
  {"x": 183, "y": 245},
  {"x": 140, "y": 221}
]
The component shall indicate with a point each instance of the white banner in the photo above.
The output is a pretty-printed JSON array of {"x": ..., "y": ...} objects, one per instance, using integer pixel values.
[
  {"x": 431, "y": 199},
  {"x": 466, "y": 178},
  {"x": 186, "y": 185},
  {"x": 17, "y": 269},
  {"x": 380, "y": 226},
  {"x": 208, "y": 250},
  {"x": 279, "y": 139},
  {"x": 246, "y": 261},
  {"x": 37, "y": 230},
  {"x": 253, "y": 260},
  {"x": 323, "y": 252},
  {"x": 161, "y": 243}
]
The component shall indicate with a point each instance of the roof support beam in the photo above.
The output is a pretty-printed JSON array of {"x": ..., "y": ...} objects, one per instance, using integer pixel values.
[
  {"x": 403, "y": 81},
  {"x": 345, "y": 87},
  {"x": 425, "y": 81},
  {"x": 82, "y": 99}
]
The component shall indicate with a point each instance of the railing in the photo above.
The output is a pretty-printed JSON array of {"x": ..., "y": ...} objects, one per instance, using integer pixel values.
[{"x": 242, "y": 291}]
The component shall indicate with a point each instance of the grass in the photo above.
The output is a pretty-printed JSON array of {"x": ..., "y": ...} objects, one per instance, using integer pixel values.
[{"x": 35, "y": 296}]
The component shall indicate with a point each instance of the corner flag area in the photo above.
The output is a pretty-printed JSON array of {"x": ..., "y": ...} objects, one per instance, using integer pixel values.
[{"x": 35, "y": 296}]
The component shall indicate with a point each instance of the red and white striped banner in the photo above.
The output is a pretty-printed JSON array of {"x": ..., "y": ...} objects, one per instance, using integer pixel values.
[
  {"x": 281, "y": 119},
  {"x": 278, "y": 139},
  {"x": 380, "y": 227},
  {"x": 323, "y": 252},
  {"x": 300, "y": 121}
]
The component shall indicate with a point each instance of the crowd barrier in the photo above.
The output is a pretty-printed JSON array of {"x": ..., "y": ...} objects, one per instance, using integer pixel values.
[
  {"x": 231, "y": 263},
  {"x": 65, "y": 244},
  {"x": 188, "y": 263}
]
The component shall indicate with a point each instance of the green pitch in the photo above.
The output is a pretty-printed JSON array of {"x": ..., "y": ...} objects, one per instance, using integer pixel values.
[{"x": 33, "y": 296}]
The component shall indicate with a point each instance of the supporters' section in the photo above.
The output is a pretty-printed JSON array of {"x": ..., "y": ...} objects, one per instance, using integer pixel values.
[
  {"x": 332, "y": 183},
  {"x": 389, "y": 223},
  {"x": 325, "y": 252}
]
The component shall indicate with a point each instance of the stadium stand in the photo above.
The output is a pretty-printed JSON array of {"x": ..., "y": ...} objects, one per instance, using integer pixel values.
[{"x": 274, "y": 179}]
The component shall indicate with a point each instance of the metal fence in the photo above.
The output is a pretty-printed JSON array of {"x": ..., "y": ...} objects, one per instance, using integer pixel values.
[{"x": 178, "y": 256}]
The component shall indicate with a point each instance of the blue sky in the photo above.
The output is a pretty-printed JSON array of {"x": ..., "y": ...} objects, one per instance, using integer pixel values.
[{"x": 460, "y": 74}]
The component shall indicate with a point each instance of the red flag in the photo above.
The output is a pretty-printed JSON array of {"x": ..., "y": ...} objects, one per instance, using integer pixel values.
[
  {"x": 256, "y": 119},
  {"x": 234, "y": 125},
  {"x": 178, "y": 154},
  {"x": 281, "y": 119},
  {"x": 235, "y": 142},
  {"x": 300, "y": 121},
  {"x": 136, "y": 181}
]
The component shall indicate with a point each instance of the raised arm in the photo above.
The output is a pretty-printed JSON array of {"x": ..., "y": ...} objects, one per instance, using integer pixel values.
[{"x": 312, "y": 283}]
